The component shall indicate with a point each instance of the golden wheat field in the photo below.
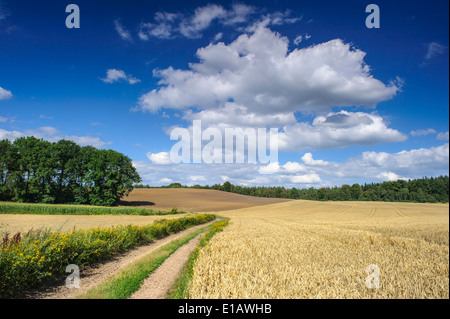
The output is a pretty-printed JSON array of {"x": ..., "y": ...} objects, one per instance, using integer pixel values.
[{"x": 306, "y": 249}]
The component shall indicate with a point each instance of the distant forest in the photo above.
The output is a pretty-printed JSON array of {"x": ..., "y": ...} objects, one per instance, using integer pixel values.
[
  {"x": 424, "y": 190},
  {"x": 37, "y": 171}
]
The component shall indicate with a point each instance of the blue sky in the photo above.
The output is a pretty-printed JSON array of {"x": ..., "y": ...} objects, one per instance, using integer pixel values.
[{"x": 352, "y": 104}]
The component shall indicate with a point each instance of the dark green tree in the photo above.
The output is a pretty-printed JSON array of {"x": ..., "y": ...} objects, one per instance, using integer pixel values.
[
  {"x": 35, "y": 170},
  {"x": 227, "y": 187}
]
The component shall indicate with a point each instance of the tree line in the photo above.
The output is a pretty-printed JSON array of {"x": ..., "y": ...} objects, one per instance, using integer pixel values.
[
  {"x": 427, "y": 189},
  {"x": 37, "y": 171}
]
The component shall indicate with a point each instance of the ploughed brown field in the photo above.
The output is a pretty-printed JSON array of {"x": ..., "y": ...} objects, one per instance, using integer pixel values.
[{"x": 192, "y": 200}]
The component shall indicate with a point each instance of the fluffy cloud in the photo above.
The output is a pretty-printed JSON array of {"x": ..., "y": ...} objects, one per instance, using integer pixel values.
[
  {"x": 308, "y": 160},
  {"x": 294, "y": 167},
  {"x": 369, "y": 166},
  {"x": 389, "y": 176},
  {"x": 338, "y": 130},
  {"x": 271, "y": 168},
  {"x": 10, "y": 135},
  {"x": 312, "y": 178},
  {"x": 5, "y": 94},
  {"x": 201, "y": 20},
  {"x": 114, "y": 75},
  {"x": 257, "y": 71},
  {"x": 197, "y": 178},
  {"x": 408, "y": 160},
  {"x": 165, "y": 181},
  {"x": 53, "y": 135},
  {"x": 333, "y": 130},
  {"x": 256, "y": 82},
  {"x": 414, "y": 163},
  {"x": 239, "y": 13},
  {"x": 235, "y": 115},
  {"x": 86, "y": 140},
  {"x": 161, "y": 158}
]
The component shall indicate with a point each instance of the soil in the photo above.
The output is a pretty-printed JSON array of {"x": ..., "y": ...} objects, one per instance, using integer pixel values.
[
  {"x": 193, "y": 200},
  {"x": 158, "y": 284}
]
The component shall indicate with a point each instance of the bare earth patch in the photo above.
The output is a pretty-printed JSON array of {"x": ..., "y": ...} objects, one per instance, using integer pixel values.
[{"x": 193, "y": 200}]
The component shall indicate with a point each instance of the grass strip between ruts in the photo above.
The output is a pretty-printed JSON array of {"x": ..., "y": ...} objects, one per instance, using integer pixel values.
[
  {"x": 129, "y": 280},
  {"x": 180, "y": 289}
]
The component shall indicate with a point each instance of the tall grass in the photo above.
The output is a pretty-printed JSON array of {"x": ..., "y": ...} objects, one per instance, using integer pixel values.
[
  {"x": 61, "y": 209},
  {"x": 29, "y": 260}
]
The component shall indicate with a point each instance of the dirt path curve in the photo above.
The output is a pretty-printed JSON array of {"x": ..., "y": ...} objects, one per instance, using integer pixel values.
[
  {"x": 93, "y": 276},
  {"x": 158, "y": 284}
]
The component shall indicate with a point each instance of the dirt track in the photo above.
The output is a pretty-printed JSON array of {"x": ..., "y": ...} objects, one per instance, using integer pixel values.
[
  {"x": 93, "y": 276},
  {"x": 158, "y": 284}
]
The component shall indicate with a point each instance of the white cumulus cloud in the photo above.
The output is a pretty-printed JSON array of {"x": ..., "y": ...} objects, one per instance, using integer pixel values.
[
  {"x": 338, "y": 130},
  {"x": 368, "y": 166},
  {"x": 161, "y": 158},
  {"x": 52, "y": 134},
  {"x": 308, "y": 160},
  {"x": 257, "y": 71}
]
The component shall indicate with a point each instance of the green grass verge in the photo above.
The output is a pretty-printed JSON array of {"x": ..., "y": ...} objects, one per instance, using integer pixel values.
[
  {"x": 28, "y": 261},
  {"x": 62, "y": 209},
  {"x": 180, "y": 289},
  {"x": 130, "y": 279}
]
